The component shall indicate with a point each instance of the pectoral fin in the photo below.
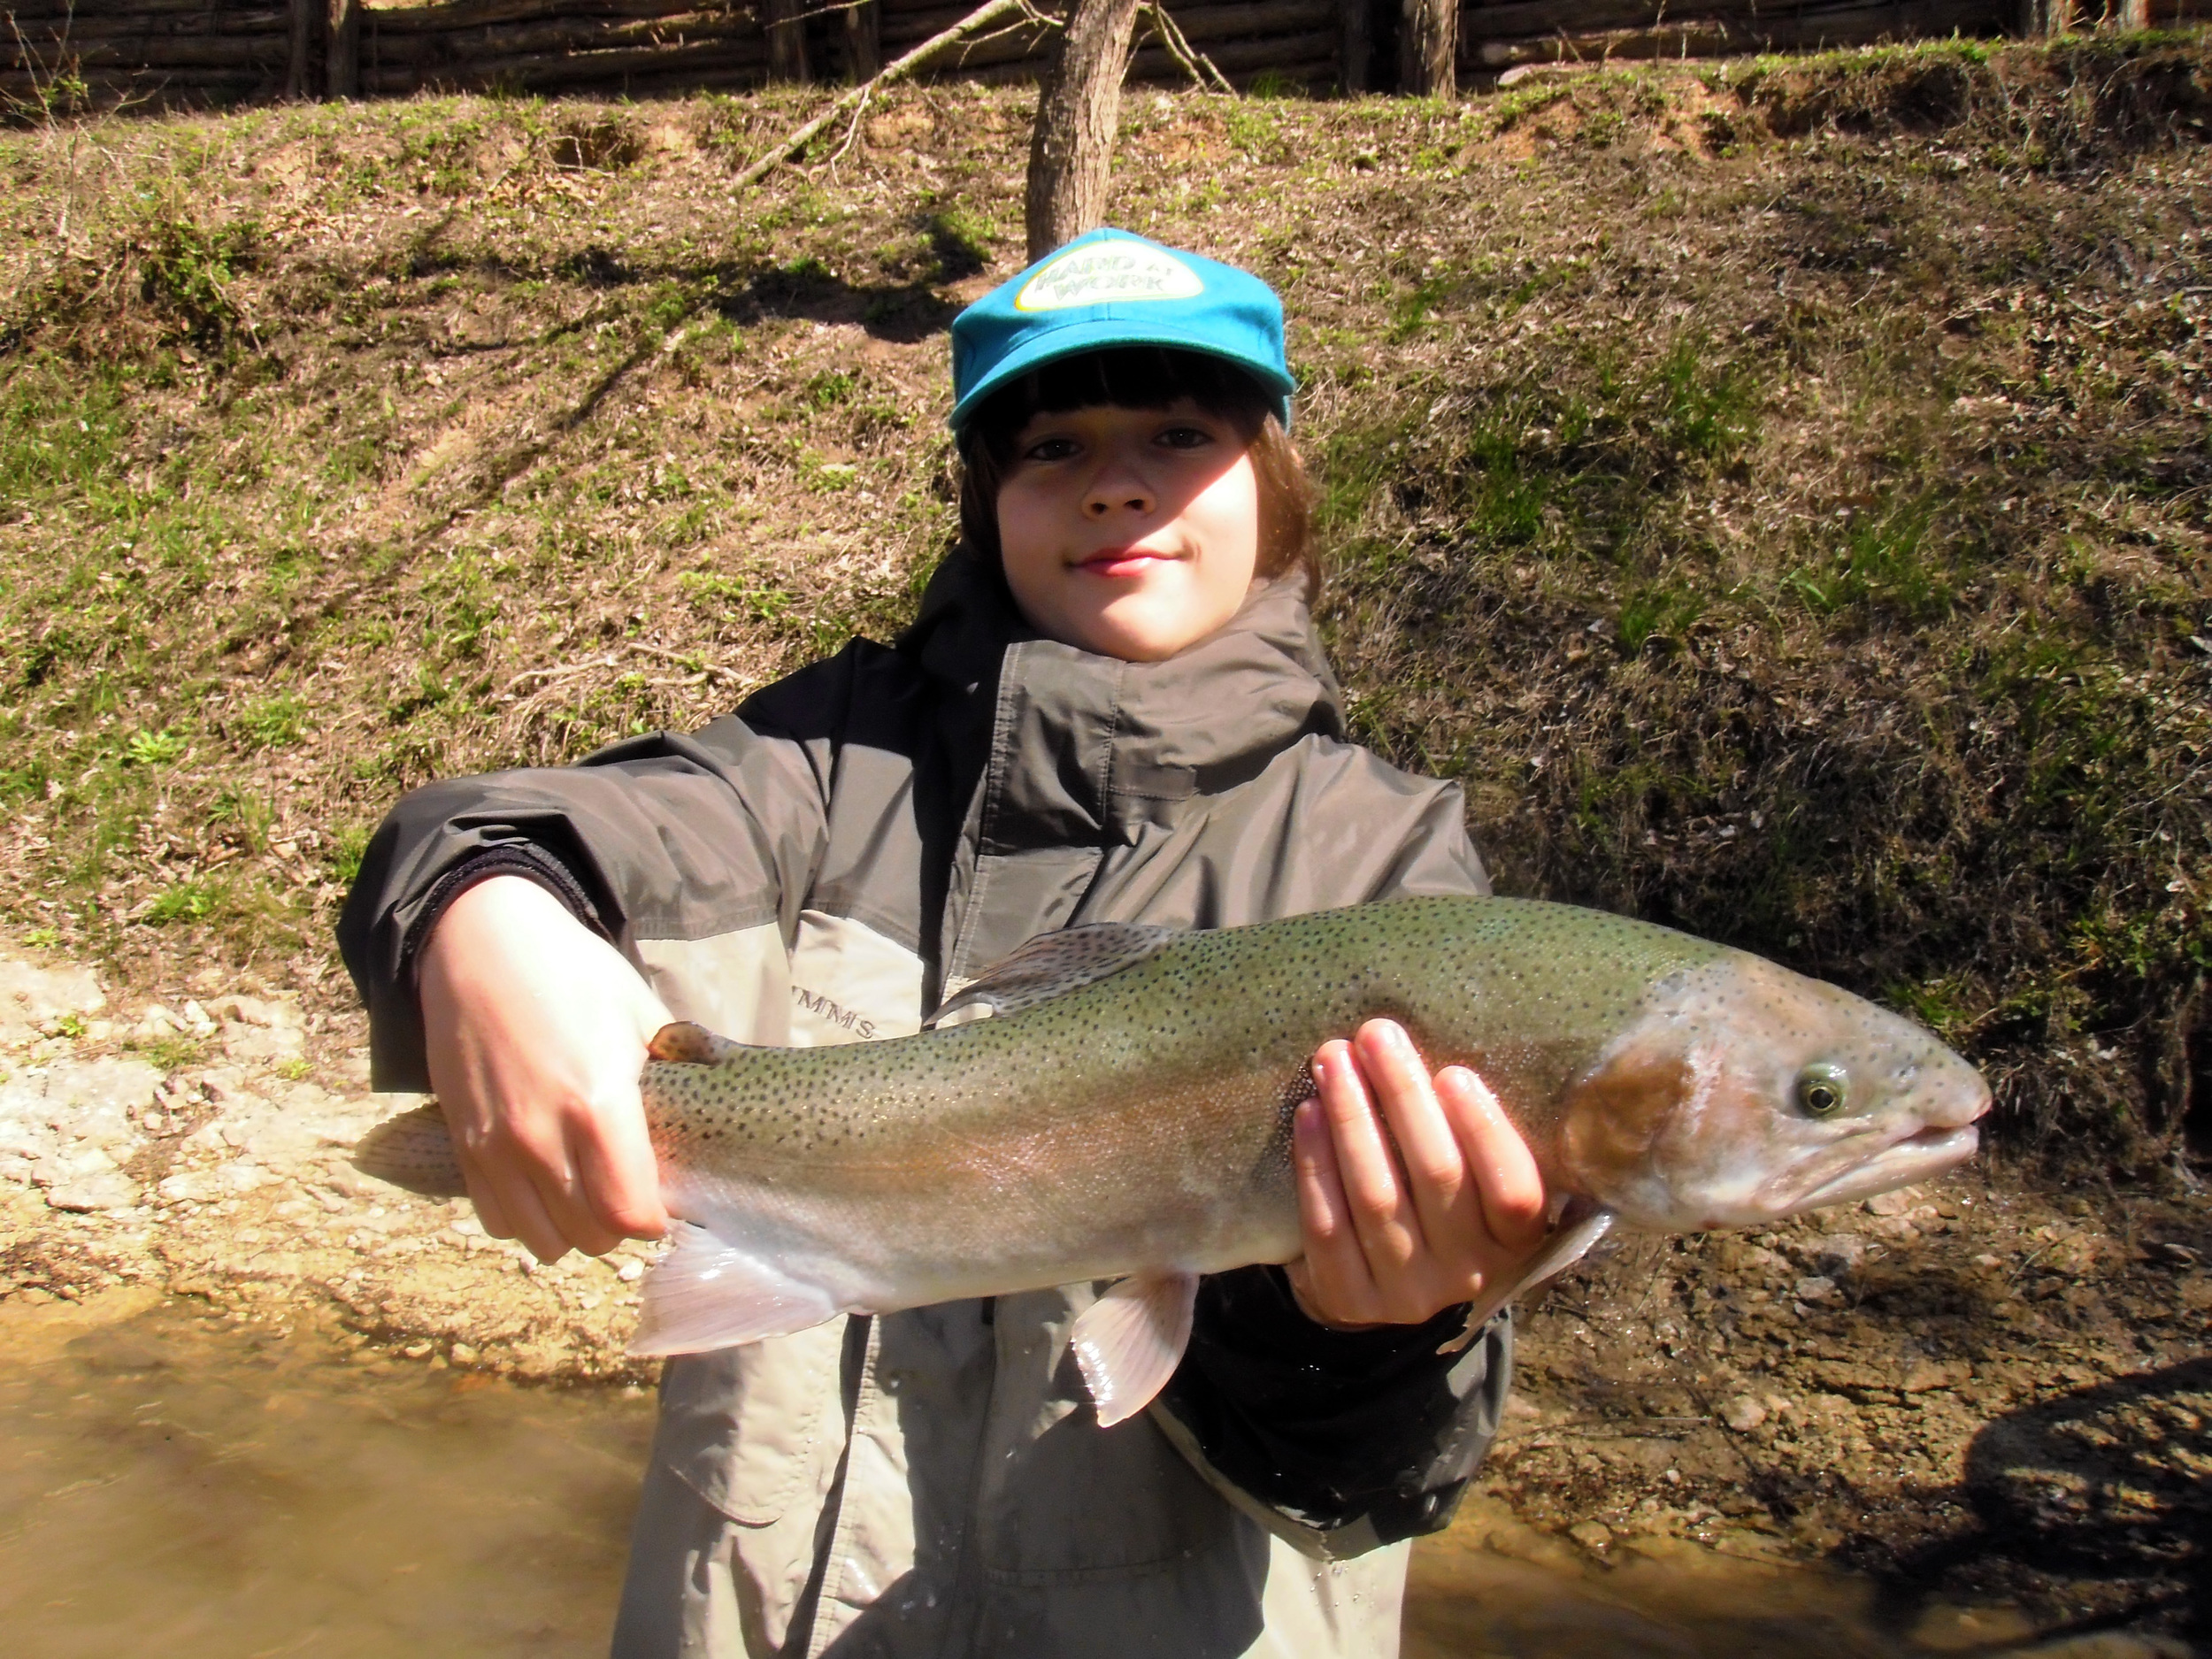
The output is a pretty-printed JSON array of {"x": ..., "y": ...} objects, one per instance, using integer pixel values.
[
  {"x": 1130, "y": 1340},
  {"x": 1051, "y": 964},
  {"x": 707, "y": 1293},
  {"x": 1569, "y": 1242}
]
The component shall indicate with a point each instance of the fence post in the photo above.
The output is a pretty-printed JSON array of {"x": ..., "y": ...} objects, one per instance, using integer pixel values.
[
  {"x": 864, "y": 40},
  {"x": 1428, "y": 49},
  {"x": 300, "y": 80},
  {"x": 1355, "y": 42},
  {"x": 786, "y": 40},
  {"x": 2041, "y": 19},
  {"x": 342, "y": 61}
]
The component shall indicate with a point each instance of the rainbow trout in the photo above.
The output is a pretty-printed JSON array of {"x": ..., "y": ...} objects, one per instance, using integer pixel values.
[{"x": 1124, "y": 1113}]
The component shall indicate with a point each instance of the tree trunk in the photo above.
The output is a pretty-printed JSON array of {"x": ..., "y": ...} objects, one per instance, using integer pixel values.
[
  {"x": 1428, "y": 46},
  {"x": 786, "y": 40},
  {"x": 1071, "y": 147}
]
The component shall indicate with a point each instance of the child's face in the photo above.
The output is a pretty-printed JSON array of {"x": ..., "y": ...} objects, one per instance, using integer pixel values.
[{"x": 1132, "y": 533}]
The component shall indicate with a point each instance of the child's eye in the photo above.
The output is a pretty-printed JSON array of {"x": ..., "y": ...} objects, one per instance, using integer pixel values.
[
  {"x": 1049, "y": 449},
  {"x": 1186, "y": 438}
]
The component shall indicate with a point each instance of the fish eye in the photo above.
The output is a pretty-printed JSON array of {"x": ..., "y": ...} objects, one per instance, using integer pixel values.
[{"x": 1821, "y": 1089}]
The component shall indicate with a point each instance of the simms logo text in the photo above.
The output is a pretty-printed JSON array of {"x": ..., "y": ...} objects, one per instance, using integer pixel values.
[{"x": 823, "y": 1008}]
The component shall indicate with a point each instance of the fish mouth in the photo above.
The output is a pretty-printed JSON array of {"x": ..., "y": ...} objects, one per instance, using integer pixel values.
[{"x": 1915, "y": 1157}]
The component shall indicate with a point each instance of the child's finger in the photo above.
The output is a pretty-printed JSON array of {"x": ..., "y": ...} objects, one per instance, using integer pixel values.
[
  {"x": 1429, "y": 1155},
  {"x": 617, "y": 1176},
  {"x": 1510, "y": 1186},
  {"x": 490, "y": 1214},
  {"x": 1388, "y": 1228},
  {"x": 1336, "y": 1266},
  {"x": 522, "y": 1212}
]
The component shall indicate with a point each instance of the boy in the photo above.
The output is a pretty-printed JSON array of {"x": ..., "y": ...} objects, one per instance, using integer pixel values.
[{"x": 1111, "y": 708}]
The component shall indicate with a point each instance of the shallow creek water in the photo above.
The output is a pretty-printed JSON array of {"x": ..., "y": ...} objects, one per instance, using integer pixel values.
[{"x": 179, "y": 1484}]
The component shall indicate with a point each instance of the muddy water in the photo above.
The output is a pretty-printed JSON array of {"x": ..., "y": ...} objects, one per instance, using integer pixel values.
[
  {"x": 177, "y": 1484},
  {"x": 193, "y": 1488}
]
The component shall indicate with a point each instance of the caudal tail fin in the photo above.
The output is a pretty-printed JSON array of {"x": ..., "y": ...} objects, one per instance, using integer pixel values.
[{"x": 413, "y": 1150}]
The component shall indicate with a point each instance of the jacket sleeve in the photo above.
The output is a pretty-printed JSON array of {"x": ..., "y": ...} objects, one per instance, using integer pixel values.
[
  {"x": 1343, "y": 1442},
  {"x": 659, "y": 838}
]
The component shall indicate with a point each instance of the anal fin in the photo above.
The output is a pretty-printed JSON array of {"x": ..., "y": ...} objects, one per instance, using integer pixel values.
[
  {"x": 1568, "y": 1243},
  {"x": 707, "y": 1293},
  {"x": 1129, "y": 1341}
]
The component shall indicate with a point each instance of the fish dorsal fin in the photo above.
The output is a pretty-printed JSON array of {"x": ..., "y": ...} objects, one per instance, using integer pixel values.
[
  {"x": 1579, "y": 1229},
  {"x": 1051, "y": 964},
  {"x": 1130, "y": 1340}
]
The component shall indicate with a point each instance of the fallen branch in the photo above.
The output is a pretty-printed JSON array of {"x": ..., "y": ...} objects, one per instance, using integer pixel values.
[
  {"x": 899, "y": 70},
  {"x": 1196, "y": 64}
]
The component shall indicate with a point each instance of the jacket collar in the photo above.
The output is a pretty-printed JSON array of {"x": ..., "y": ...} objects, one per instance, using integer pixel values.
[{"x": 1085, "y": 748}]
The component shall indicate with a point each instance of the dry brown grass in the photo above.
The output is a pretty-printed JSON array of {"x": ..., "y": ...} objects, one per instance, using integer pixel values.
[{"x": 1778, "y": 490}]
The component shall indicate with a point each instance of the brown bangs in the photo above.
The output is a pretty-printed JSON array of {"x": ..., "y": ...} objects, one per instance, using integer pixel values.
[{"x": 1146, "y": 377}]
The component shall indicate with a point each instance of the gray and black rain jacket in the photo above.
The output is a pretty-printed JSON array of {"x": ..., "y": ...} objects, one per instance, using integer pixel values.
[{"x": 823, "y": 866}]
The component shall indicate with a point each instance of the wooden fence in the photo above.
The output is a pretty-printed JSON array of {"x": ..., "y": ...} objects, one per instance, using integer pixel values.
[{"x": 192, "y": 52}]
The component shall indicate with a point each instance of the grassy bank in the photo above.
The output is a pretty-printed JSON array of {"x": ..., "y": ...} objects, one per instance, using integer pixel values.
[{"x": 1778, "y": 490}]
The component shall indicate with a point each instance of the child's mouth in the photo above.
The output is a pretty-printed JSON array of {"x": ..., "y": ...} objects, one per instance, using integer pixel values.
[{"x": 1123, "y": 561}]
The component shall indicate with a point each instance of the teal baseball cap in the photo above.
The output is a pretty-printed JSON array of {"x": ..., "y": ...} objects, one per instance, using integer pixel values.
[{"x": 1108, "y": 289}]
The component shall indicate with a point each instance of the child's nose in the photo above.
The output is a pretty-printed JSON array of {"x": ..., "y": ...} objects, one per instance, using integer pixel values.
[{"x": 1118, "y": 487}]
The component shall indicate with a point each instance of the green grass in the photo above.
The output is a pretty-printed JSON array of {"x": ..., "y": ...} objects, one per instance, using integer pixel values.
[{"x": 1777, "y": 491}]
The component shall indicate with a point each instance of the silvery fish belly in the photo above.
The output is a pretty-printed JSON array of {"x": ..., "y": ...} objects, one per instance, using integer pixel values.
[{"x": 1114, "y": 1102}]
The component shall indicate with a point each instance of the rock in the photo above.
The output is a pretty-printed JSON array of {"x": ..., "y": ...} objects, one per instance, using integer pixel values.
[
  {"x": 282, "y": 1139},
  {"x": 1896, "y": 1203},
  {"x": 1927, "y": 1374},
  {"x": 197, "y": 1021},
  {"x": 1592, "y": 1535},
  {"x": 104, "y": 1190},
  {"x": 253, "y": 1010},
  {"x": 243, "y": 1177},
  {"x": 249, "y": 1044},
  {"x": 156, "y": 1024},
  {"x": 1816, "y": 1289},
  {"x": 93, "y": 1100},
  {"x": 1743, "y": 1414},
  {"x": 32, "y": 994},
  {"x": 208, "y": 1138},
  {"x": 194, "y": 1186},
  {"x": 1836, "y": 1254}
]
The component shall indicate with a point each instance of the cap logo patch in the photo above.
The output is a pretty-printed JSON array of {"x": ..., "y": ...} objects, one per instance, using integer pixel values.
[{"x": 1104, "y": 271}]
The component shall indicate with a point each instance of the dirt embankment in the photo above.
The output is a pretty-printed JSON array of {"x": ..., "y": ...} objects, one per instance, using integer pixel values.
[
  {"x": 228, "y": 1178},
  {"x": 1993, "y": 1397}
]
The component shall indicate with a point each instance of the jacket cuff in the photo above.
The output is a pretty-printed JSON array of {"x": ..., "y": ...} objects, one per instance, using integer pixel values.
[
  {"x": 1339, "y": 1442},
  {"x": 511, "y": 858}
]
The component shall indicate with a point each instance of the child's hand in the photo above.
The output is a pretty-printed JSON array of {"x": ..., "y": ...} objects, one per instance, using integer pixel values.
[
  {"x": 1397, "y": 1233},
  {"x": 536, "y": 1030}
]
